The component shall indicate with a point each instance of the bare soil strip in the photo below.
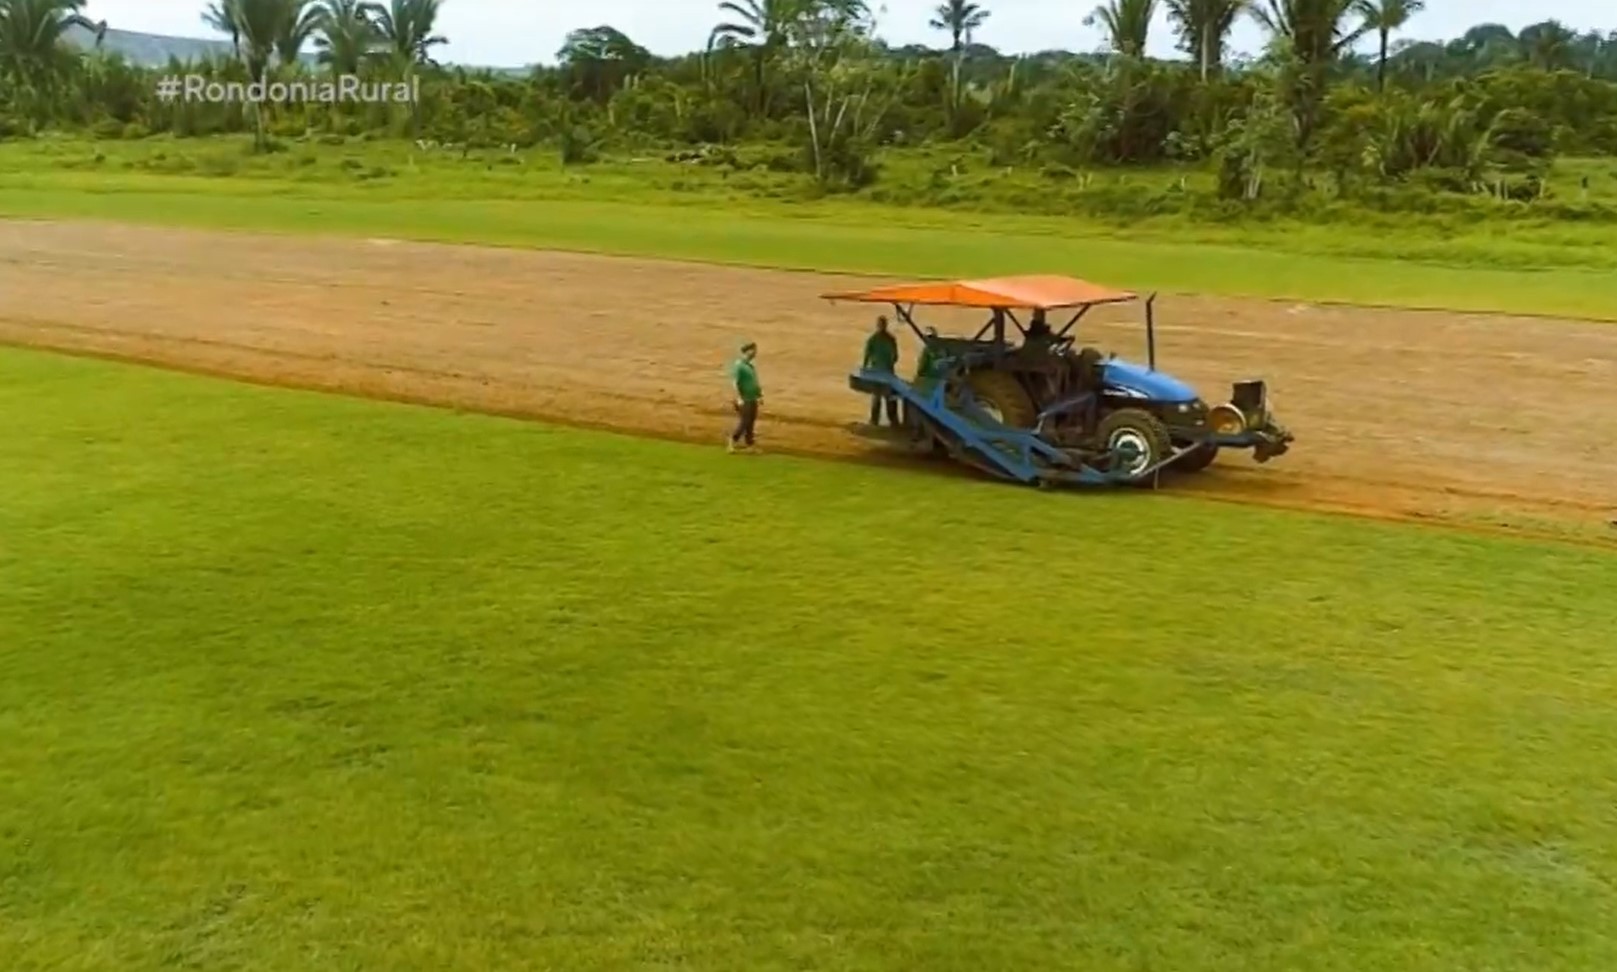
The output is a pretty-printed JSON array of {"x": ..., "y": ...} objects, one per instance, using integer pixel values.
[{"x": 1470, "y": 419}]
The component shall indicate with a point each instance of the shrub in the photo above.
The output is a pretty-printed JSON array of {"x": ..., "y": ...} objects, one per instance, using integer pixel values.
[{"x": 578, "y": 146}]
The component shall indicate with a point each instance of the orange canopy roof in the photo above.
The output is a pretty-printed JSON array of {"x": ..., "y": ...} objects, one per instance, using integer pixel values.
[{"x": 1040, "y": 292}]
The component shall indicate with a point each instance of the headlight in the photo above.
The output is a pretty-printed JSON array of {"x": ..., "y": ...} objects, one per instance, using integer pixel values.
[{"x": 1227, "y": 420}]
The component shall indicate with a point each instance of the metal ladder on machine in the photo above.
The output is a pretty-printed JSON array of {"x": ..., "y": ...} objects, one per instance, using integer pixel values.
[{"x": 1015, "y": 454}]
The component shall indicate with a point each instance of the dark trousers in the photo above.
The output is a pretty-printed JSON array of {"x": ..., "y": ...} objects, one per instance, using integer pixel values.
[
  {"x": 875, "y": 410},
  {"x": 747, "y": 419}
]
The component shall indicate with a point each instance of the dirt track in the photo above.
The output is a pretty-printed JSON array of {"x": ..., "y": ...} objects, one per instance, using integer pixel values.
[{"x": 1470, "y": 418}]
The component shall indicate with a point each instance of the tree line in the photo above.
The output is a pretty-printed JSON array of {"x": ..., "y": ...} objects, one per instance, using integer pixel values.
[{"x": 1337, "y": 96}]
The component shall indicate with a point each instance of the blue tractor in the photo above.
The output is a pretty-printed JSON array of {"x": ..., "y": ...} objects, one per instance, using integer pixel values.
[{"x": 1021, "y": 401}]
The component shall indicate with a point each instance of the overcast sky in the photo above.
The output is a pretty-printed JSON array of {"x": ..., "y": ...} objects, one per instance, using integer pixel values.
[{"x": 514, "y": 33}]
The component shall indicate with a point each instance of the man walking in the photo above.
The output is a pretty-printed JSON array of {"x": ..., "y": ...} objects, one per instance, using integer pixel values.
[
  {"x": 748, "y": 393},
  {"x": 881, "y": 354}
]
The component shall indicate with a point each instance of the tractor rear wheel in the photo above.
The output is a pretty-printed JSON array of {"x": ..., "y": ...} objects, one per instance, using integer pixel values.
[
  {"x": 1000, "y": 395},
  {"x": 1137, "y": 438}
]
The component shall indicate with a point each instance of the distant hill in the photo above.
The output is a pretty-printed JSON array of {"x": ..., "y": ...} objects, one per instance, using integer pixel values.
[{"x": 149, "y": 50}]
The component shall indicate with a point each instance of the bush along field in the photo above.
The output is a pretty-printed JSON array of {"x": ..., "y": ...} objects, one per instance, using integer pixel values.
[
  {"x": 1332, "y": 121},
  {"x": 481, "y": 700}
]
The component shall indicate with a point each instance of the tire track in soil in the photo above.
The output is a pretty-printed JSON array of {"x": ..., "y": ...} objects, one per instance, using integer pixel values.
[{"x": 1454, "y": 418}]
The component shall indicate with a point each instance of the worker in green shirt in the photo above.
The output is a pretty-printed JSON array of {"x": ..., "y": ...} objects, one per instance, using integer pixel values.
[
  {"x": 748, "y": 393},
  {"x": 881, "y": 354},
  {"x": 927, "y": 366}
]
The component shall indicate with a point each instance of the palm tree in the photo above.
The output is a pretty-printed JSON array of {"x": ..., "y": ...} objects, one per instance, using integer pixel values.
[
  {"x": 961, "y": 18},
  {"x": 762, "y": 26},
  {"x": 221, "y": 16},
  {"x": 31, "y": 32},
  {"x": 346, "y": 35},
  {"x": 1127, "y": 24},
  {"x": 1316, "y": 33},
  {"x": 1203, "y": 26},
  {"x": 406, "y": 27},
  {"x": 256, "y": 27},
  {"x": 300, "y": 20},
  {"x": 1384, "y": 17}
]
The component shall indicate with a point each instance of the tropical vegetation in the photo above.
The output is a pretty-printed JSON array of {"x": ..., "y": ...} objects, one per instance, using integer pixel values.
[{"x": 1337, "y": 105}]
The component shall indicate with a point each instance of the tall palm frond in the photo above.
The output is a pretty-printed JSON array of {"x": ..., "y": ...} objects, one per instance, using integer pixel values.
[
  {"x": 1318, "y": 31},
  {"x": 346, "y": 35},
  {"x": 31, "y": 32},
  {"x": 960, "y": 18},
  {"x": 255, "y": 28},
  {"x": 764, "y": 27},
  {"x": 1204, "y": 28},
  {"x": 1127, "y": 24},
  {"x": 299, "y": 22},
  {"x": 221, "y": 16},
  {"x": 407, "y": 28},
  {"x": 1383, "y": 17}
]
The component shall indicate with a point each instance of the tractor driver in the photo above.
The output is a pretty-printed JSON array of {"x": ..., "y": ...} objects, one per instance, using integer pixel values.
[
  {"x": 1038, "y": 330},
  {"x": 881, "y": 354}
]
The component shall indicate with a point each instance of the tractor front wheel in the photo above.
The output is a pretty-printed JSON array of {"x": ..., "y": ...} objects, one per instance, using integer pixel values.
[
  {"x": 1196, "y": 460},
  {"x": 1136, "y": 440},
  {"x": 1000, "y": 395}
]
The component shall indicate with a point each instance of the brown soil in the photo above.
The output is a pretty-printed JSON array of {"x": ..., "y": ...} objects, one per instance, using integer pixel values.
[{"x": 1471, "y": 419}]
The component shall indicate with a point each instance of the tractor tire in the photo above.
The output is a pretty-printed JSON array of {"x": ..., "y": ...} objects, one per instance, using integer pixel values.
[
  {"x": 1144, "y": 432},
  {"x": 1196, "y": 460},
  {"x": 1000, "y": 395}
]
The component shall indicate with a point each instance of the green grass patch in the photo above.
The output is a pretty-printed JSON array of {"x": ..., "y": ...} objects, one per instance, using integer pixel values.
[
  {"x": 1523, "y": 266},
  {"x": 289, "y": 681}
]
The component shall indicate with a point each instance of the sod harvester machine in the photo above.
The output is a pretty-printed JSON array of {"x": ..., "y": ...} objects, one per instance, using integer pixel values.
[{"x": 1037, "y": 411}]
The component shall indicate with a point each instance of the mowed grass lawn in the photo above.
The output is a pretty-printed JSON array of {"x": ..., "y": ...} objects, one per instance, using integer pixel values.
[{"x": 296, "y": 682}]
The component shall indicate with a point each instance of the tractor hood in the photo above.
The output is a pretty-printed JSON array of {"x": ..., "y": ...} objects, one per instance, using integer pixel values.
[{"x": 1141, "y": 382}]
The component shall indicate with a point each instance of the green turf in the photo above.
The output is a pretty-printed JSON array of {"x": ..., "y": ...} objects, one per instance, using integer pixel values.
[
  {"x": 291, "y": 682},
  {"x": 1524, "y": 267}
]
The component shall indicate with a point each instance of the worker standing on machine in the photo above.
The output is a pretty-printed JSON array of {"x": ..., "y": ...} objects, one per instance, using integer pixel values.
[
  {"x": 881, "y": 354},
  {"x": 927, "y": 367}
]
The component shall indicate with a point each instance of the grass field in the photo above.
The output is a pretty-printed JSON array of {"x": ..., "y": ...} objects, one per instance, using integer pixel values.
[
  {"x": 297, "y": 682},
  {"x": 1518, "y": 265},
  {"x": 290, "y": 681}
]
